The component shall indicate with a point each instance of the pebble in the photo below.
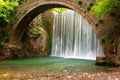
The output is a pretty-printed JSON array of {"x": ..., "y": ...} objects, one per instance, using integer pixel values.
[
  {"x": 29, "y": 79},
  {"x": 89, "y": 76},
  {"x": 69, "y": 76},
  {"x": 114, "y": 75},
  {"x": 117, "y": 79}
]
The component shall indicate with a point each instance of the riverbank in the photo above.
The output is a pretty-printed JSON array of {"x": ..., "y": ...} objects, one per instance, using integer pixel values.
[
  {"x": 110, "y": 74},
  {"x": 54, "y": 68}
]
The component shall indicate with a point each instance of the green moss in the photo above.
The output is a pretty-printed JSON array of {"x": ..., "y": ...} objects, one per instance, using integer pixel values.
[
  {"x": 103, "y": 7},
  {"x": 103, "y": 40},
  {"x": 111, "y": 41},
  {"x": 47, "y": 22},
  {"x": 112, "y": 14},
  {"x": 100, "y": 21},
  {"x": 24, "y": 11},
  {"x": 23, "y": 1},
  {"x": 96, "y": 24},
  {"x": 84, "y": 11},
  {"x": 59, "y": 10},
  {"x": 80, "y": 2},
  {"x": 90, "y": 5},
  {"x": 16, "y": 17},
  {"x": 49, "y": 45},
  {"x": 88, "y": 8},
  {"x": 6, "y": 9},
  {"x": 4, "y": 38},
  {"x": 38, "y": 31}
]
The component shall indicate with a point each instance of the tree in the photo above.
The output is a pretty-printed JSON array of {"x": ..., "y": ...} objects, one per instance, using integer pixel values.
[{"x": 6, "y": 7}]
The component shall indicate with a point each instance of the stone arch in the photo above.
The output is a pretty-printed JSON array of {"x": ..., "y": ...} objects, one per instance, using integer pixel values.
[
  {"x": 109, "y": 30},
  {"x": 34, "y": 8},
  {"x": 28, "y": 11}
]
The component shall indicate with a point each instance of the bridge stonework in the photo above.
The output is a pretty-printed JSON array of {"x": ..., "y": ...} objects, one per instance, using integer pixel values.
[{"x": 108, "y": 31}]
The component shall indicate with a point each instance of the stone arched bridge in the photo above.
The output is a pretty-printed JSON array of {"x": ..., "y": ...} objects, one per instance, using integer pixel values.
[{"x": 107, "y": 31}]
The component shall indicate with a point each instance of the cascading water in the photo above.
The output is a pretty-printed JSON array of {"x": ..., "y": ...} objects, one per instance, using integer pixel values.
[{"x": 73, "y": 37}]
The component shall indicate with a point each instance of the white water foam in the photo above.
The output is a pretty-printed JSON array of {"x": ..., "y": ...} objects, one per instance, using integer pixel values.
[{"x": 73, "y": 37}]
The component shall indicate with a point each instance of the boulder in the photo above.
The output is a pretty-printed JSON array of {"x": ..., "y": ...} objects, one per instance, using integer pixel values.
[{"x": 100, "y": 59}]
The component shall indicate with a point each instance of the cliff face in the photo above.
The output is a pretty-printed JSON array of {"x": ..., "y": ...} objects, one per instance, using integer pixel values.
[
  {"x": 110, "y": 38},
  {"x": 35, "y": 44}
]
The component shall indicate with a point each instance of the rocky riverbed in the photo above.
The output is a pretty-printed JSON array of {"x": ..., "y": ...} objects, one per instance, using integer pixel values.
[{"x": 110, "y": 74}]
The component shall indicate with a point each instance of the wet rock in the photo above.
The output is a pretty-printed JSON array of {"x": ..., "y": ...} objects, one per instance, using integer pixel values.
[{"x": 100, "y": 59}]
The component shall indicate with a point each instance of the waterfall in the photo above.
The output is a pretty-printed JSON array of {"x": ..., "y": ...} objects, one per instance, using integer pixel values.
[{"x": 73, "y": 37}]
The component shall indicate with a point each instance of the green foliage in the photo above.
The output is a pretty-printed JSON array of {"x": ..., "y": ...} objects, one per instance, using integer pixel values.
[
  {"x": 23, "y": 1},
  {"x": 105, "y": 7},
  {"x": 111, "y": 41},
  {"x": 84, "y": 11},
  {"x": 47, "y": 22},
  {"x": 96, "y": 24},
  {"x": 1, "y": 5},
  {"x": 23, "y": 11},
  {"x": 4, "y": 38},
  {"x": 59, "y": 10},
  {"x": 6, "y": 8},
  {"x": 90, "y": 5},
  {"x": 88, "y": 8},
  {"x": 38, "y": 31},
  {"x": 112, "y": 14},
  {"x": 79, "y": 1},
  {"x": 100, "y": 21},
  {"x": 49, "y": 45},
  {"x": 103, "y": 39}
]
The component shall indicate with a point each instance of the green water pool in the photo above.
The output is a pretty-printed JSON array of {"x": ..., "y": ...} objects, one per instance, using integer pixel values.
[{"x": 51, "y": 65}]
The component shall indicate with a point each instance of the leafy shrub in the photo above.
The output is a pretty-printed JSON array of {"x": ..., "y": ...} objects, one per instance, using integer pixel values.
[
  {"x": 47, "y": 22},
  {"x": 23, "y": 1},
  {"x": 79, "y": 1},
  {"x": 103, "y": 39},
  {"x": 105, "y": 7},
  {"x": 88, "y": 8},
  {"x": 6, "y": 8},
  {"x": 4, "y": 38},
  {"x": 90, "y": 5},
  {"x": 59, "y": 10},
  {"x": 96, "y": 24},
  {"x": 100, "y": 21},
  {"x": 38, "y": 31},
  {"x": 111, "y": 41}
]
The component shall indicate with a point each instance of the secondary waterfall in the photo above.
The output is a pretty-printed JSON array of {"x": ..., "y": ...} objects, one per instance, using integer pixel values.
[{"x": 73, "y": 37}]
